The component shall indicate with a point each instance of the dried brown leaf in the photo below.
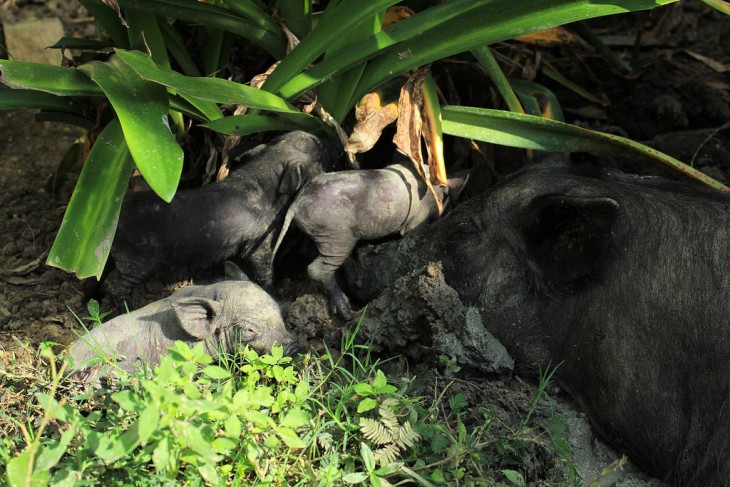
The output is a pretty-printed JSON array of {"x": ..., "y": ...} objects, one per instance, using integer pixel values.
[
  {"x": 711, "y": 63},
  {"x": 409, "y": 128},
  {"x": 408, "y": 132},
  {"x": 372, "y": 117},
  {"x": 114, "y": 5},
  {"x": 549, "y": 37},
  {"x": 395, "y": 14}
]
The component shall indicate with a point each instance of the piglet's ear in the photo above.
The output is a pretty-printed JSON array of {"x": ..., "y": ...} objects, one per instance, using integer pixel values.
[
  {"x": 567, "y": 237},
  {"x": 196, "y": 315},
  {"x": 233, "y": 272},
  {"x": 292, "y": 179}
]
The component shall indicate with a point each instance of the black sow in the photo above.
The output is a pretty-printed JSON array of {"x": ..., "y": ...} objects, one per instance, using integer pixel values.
[{"x": 623, "y": 280}]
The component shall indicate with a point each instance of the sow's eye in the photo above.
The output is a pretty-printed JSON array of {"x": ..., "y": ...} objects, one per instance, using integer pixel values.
[{"x": 247, "y": 334}]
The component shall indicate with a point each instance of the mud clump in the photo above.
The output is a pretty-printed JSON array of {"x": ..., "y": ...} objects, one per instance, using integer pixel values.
[{"x": 419, "y": 314}]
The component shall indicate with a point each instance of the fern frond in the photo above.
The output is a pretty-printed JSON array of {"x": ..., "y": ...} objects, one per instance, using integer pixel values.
[
  {"x": 407, "y": 436},
  {"x": 374, "y": 431},
  {"x": 386, "y": 455},
  {"x": 325, "y": 441},
  {"x": 388, "y": 416}
]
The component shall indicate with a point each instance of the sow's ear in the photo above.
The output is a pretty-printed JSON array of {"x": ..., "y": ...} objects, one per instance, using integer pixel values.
[
  {"x": 292, "y": 179},
  {"x": 196, "y": 315},
  {"x": 567, "y": 236},
  {"x": 233, "y": 272}
]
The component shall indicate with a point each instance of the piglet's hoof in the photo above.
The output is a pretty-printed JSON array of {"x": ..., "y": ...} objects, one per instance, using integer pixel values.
[{"x": 340, "y": 306}]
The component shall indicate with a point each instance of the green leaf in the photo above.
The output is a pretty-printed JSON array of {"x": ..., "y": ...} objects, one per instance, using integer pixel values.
[
  {"x": 43, "y": 77},
  {"x": 250, "y": 124},
  {"x": 215, "y": 52},
  {"x": 176, "y": 46},
  {"x": 83, "y": 44},
  {"x": 109, "y": 449},
  {"x": 198, "y": 442},
  {"x": 273, "y": 41},
  {"x": 161, "y": 455},
  {"x": 355, "y": 477},
  {"x": 20, "y": 472},
  {"x": 148, "y": 422},
  {"x": 515, "y": 477},
  {"x": 142, "y": 110},
  {"x": 145, "y": 35},
  {"x": 334, "y": 24},
  {"x": 128, "y": 400},
  {"x": 233, "y": 427},
  {"x": 335, "y": 94},
  {"x": 224, "y": 445},
  {"x": 19, "y": 99},
  {"x": 251, "y": 11},
  {"x": 380, "y": 380},
  {"x": 487, "y": 23},
  {"x": 107, "y": 21},
  {"x": 368, "y": 48},
  {"x": 363, "y": 389},
  {"x": 526, "y": 88},
  {"x": 295, "y": 418},
  {"x": 208, "y": 472},
  {"x": 291, "y": 439},
  {"x": 65, "y": 413},
  {"x": 367, "y": 457},
  {"x": 52, "y": 451},
  {"x": 721, "y": 5},
  {"x": 366, "y": 405},
  {"x": 486, "y": 60},
  {"x": 530, "y": 132},
  {"x": 215, "y": 372},
  {"x": 209, "y": 89},
  {"x": 297, "y": 15},
  {"x": 85, "y": 237}
]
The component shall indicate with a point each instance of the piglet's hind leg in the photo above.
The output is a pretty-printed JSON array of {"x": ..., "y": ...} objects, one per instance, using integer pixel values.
[{"x": 322, "y": 271}]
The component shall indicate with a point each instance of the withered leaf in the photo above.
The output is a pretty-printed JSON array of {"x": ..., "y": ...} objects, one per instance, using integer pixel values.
[
  {"x": 409, "y": 128},
  {"x": 372, "y": 117}
]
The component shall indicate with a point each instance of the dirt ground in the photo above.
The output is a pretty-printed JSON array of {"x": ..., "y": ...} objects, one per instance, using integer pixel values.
[{"x": 677, "y": 100}]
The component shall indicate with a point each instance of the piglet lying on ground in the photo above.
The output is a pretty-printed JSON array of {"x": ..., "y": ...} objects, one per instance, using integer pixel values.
[
  {"x": 338, "y": 209},
  {"x": 223, "y": 316},
  {"x": 236, "y": 217}
]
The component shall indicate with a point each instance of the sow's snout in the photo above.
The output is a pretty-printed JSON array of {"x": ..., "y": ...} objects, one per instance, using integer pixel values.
[{"x": 291, "y": 349}]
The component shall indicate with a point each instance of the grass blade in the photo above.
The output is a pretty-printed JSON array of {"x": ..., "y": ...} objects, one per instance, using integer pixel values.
[
  {"x": 142, "y": 110},
  {"x": 85, "y": 237},
  {"x": 530, "y": 132},
  {"x": 486, "y": 60},
  {"x": 551, "y": 109}
]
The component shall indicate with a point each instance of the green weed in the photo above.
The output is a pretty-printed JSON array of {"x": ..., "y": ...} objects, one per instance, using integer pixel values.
[{"x": 263, "y": 420}]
